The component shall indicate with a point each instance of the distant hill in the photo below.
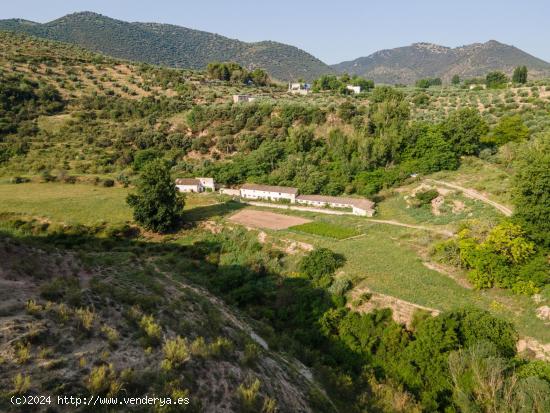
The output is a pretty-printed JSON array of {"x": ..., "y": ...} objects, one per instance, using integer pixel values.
[
  {"x": 422, "y": 60},
  {"x": 171, "y": 45}
]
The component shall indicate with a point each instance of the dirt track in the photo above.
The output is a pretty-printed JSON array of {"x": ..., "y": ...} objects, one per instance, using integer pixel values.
[{"x": 472, "y": 193}]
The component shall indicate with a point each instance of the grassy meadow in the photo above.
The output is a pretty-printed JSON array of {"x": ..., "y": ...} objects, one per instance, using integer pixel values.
[
  {"x": 385, "y": 258},
  {"x": 326, "y": 229},
  {"x": 68, "y": 203}
]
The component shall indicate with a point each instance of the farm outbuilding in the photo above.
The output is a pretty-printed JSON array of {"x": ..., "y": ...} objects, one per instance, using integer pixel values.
[{"x": 189, "y": 185}]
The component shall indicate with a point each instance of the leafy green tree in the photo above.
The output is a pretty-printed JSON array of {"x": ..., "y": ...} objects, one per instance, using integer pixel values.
[
  {"x": 320, "y": 264},
  {"x": 424, "y": 367},
  {"x": 463, "y": 129},
  {"x": 531, "y": 191},
  {"x": 429, "y": 150},
  {"x": 509, "y": 129},
  {"x": 259, "y": 77},
  {"x": 156, "y": 203},
  {"x": 388, "y": 116},
  {"x": 142, "y": 157},
  {"x": 520, "y": 75},
  {"x": 496, "y": 80},
  {"x": 365, "y": 84},
  {"x": 423, "y": 83},
  {"x": 426, "y": 83},
  {"x": 455, "y": 80}
]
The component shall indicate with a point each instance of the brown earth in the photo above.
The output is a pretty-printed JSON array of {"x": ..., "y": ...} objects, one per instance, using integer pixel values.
[{"x": 264, "y": 219}]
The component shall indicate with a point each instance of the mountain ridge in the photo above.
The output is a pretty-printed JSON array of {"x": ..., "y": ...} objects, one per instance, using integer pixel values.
[
  {"x": 182, "y": 47},
  {"x": 407, "y": 64},
  {"x": 171, "y": 45}
]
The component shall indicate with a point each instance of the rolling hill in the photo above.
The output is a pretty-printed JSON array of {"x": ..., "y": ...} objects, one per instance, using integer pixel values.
[
  {"x": 171, "y": 45},
  {"x": 422, "y": 60}
]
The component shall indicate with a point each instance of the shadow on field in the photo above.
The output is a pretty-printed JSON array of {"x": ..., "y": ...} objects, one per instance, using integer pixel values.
[{"x": 204, "y": 213}]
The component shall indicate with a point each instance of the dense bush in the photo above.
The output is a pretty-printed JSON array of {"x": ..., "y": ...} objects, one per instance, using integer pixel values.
[
  {"x": 320, "y": 264},
  {"x": 234, "y": 72},
  {"x": 502, "y": 257},
  {"x": 531, "y": 190},
  {"x": 426, "y": 197}
]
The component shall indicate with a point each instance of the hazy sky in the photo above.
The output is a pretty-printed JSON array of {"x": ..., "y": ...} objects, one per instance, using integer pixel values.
[{"x": 331, "y": 30}]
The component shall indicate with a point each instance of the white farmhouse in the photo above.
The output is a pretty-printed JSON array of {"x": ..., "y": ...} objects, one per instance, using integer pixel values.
[
  {"x": 207, "y": 183},
  {"x": 273, "y": 193},
  {"x": 243, "y": 98},
  {"x": 359, "y": 206},
  {"x": 355, "y": 89},
  {"x": 299, "y": 88},
  {"x": 189, "y": 185}
]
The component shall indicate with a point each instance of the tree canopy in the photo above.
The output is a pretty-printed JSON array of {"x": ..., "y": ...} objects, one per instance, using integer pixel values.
[{"x": 156, "y": 204}]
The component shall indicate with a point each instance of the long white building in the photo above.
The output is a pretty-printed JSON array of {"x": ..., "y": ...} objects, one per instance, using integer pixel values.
[
  {"x": 359, "y": 206},
  {"x": 272, "y": 193}
]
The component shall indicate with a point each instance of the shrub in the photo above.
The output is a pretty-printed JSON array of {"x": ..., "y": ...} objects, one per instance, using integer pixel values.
[
  {"x": 340, "y": 286},
  {"x": 102, "y": 380},
  {"x": 85, "y": 318},
  {"x": 426, "y": 197},
  {"x": 108, "y": 183},
  {"x": 46, "y": 176},
  {"x": 21, "y": 384},
  {"x": 33, "y": 308},
  {"x": 176, "y": 352},
  {"x": 248, "y": 395},
  {"x": 151, "y": 329},
  {"x": 251, "y": 354},
  {"x": 22, "y": 352},
  {"x": 270, "y": 405},
  {"x": 221, "y": 346},
  {"x": 19, "y": 180},
  {"x": 199, "y": 348},
  {"x": 320, "y": 262},
  {"x": 110, "y": 333},
  {"x": 62, "y": 288}
]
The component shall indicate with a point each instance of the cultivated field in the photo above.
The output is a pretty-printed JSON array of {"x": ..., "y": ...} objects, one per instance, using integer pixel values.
[
  {"x": 326, "y": 229},
  {"x": 264, "y": 219}
]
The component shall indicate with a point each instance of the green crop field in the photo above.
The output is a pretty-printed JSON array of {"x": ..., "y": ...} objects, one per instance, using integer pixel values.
[{"x": 326, "y": 229}]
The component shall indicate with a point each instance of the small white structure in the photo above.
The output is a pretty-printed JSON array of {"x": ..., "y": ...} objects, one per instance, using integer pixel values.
[
  {"x": 359, "y": 206},
  {"x": 299, "y": 88},
  {"x": 189, "y": 185},
  {"x": 273, "y": 193},
  {"x": 207, "y": 183},
  {"x": 243, "y": 98},
  {"x": 478, "y": 86},
  {"x": 355, "y": 89}
]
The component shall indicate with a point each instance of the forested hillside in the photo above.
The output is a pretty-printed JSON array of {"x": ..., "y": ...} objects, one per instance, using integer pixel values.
[
  {"x": 171, "y": 45},
  {"x": 424, "y": 60},
  {"x": 113, "y": 284}
]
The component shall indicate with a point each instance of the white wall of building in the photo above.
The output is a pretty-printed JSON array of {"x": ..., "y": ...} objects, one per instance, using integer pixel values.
[
  {"x": 189, "y": 188},
  {"x": 274, "y": 196}
]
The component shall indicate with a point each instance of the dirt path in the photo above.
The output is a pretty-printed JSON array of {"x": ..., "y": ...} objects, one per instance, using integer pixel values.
[
  {"x": 331, "y": 212},
  {"x": 472, "y": 193}
]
